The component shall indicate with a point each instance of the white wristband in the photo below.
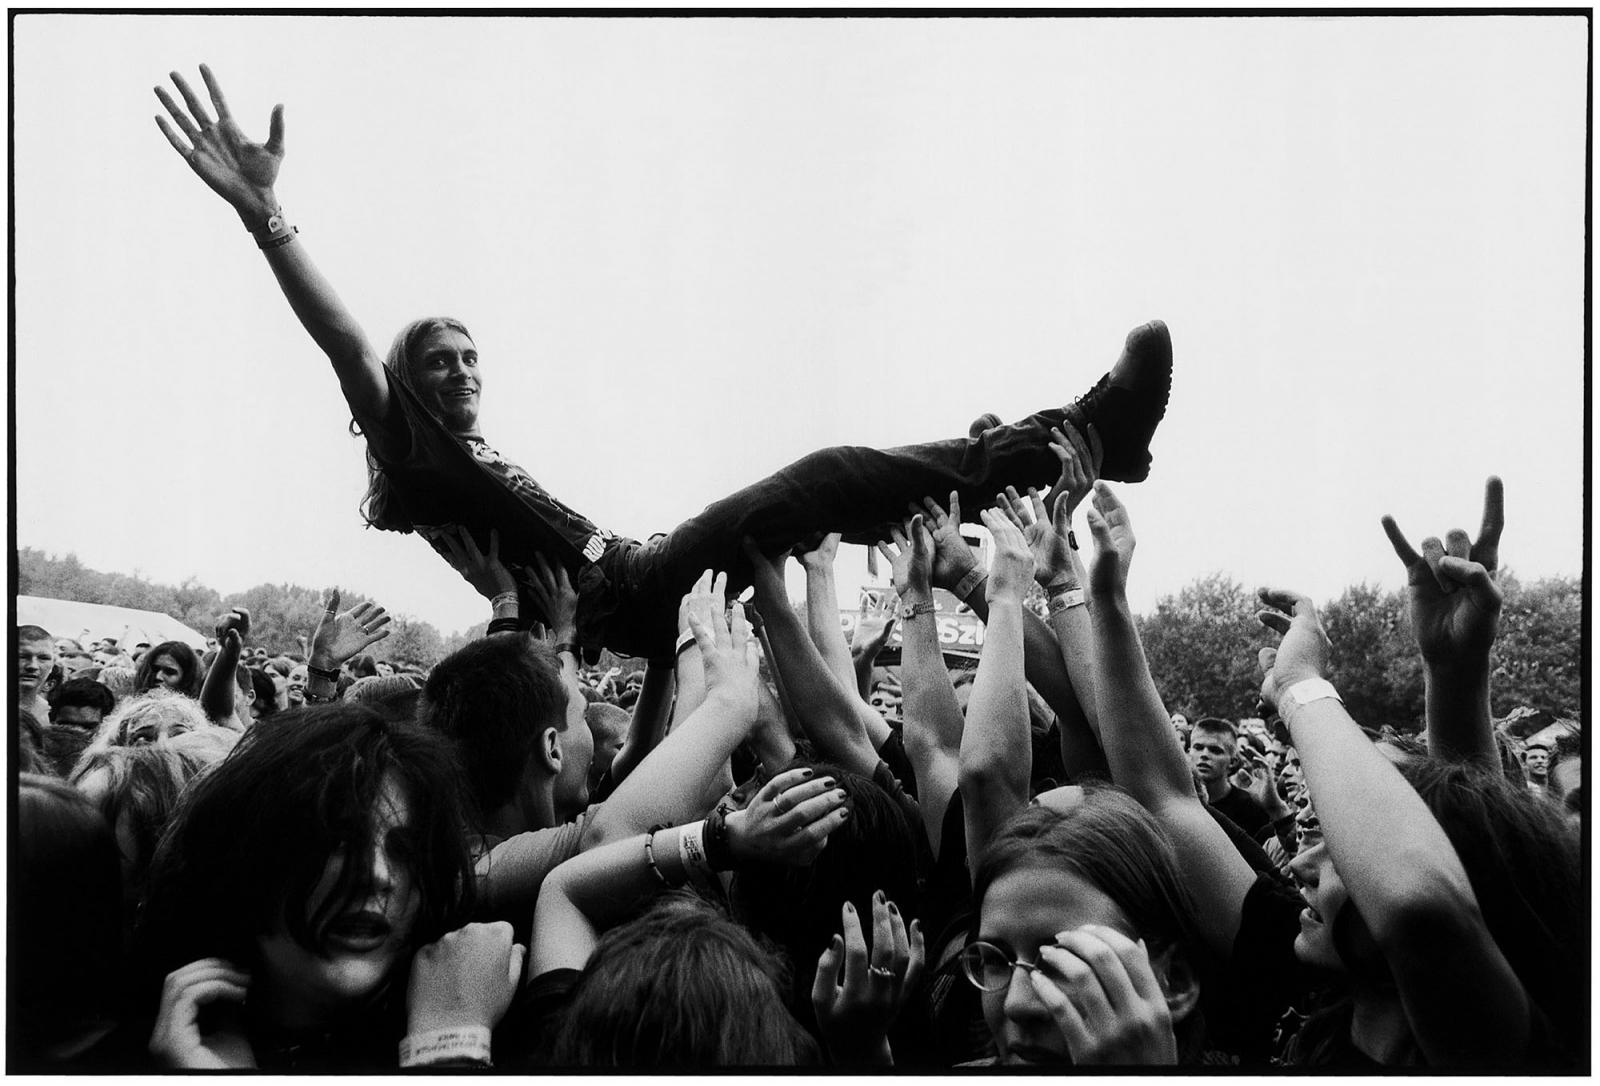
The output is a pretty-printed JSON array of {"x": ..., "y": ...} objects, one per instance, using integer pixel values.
[
  {"x": 1065, "y": 601},
  {"x": 692, "y": 849},
  {"x": 447, "y": 1045},
  {"x": 1305, "y": 691}
]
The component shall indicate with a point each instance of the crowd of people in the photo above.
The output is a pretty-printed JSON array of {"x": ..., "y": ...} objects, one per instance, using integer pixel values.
[{"x": 761, "y": 848}]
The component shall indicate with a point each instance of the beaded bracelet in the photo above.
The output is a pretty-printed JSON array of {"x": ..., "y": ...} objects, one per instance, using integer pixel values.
[{"x": 650, "y": 855}]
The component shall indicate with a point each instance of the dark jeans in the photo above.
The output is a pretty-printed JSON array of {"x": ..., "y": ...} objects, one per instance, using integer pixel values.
[{"x": 848, "y": 489}]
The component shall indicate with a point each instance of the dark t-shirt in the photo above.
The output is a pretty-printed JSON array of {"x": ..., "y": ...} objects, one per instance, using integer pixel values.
[
  {"x": 1244, "y": 811},
  {"x": 1263, "y": 978}
]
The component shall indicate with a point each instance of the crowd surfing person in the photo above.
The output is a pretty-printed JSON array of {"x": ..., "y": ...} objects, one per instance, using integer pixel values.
[{"x": 430, "y": 471}]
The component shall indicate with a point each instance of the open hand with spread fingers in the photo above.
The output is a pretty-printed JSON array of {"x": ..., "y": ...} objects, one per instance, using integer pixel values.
[
  {"x": 789, "y": 820},
  {"x": 953, "y": 557},
  {"x": 340, "y": 635},
  {"x": 1102, "y": 991},
  {"x": 857, "y": 994},
  {"x": 239, "y": 170}
]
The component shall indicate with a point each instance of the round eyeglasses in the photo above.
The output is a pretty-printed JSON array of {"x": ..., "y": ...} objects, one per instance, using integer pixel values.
[{"x": 989, "y": 968}]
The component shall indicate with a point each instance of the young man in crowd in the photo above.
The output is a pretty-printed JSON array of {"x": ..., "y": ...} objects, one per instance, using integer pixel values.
[
  {"x": 1213, "y": 748},
  {"x": 1536, "y": 761},
  {"x": 36, "y": 659}
]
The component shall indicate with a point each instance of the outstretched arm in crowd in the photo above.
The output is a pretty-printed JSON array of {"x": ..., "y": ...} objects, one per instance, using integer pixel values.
[
  {"x": 788, "y": 822},
  {"x": 874, "y": 625},
  {"x": 340, "y": 636},
  {"x": 222, "y": 678},
  {"x": 1058, "y": 571},
  {"x": 679, "y": 778},
  {"x": 933, "y": 721},
  {"x": 830, "y": 713},
  {"x": 649, "y": 723},
  {"x": 244, "y": 173},
  {"x": 956, "y": 569},
  {"x": 551, "y": 591},
  {"x": 1455, "y": 611},
  {"x": 488, "y": 576},
  {"x": 1140, "y": 744},
  {"x": 1464, "y": 1003},
  {"x": 996, "y": 747},
  {"x": 822, "y": 619}
]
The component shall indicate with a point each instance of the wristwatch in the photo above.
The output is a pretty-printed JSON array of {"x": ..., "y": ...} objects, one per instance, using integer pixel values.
[{"x": 1304, "y": 691}]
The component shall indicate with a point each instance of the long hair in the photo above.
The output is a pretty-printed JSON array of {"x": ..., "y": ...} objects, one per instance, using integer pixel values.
[
  {"x": 681, "y": 987},
  {"x": 798, "y": 907},
  {"x": 379, "y": 508},
  {"x": 252, "y": 837},
  {"x": 146, "y": 718},
  {"x": 182, "y": 655},
  {"x": 1526, "y": 869},
  {"x": 1115, "y": 845}
]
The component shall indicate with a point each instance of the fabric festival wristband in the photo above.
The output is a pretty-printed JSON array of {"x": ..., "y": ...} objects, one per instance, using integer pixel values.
[
  {"x": 447, "y": 1045},
  {"x": 927, "y": 607},
  {"x": 504, "y": 625},
  {"x": 503, "y": 597},
  {"x": 964, "y": 587},
  {"x": 692, "y": 849},
  {"x": 1066, "y": 601},
  {"x": 685, "y": 639},
  {"x": 568, "y": 646},
  {"x": 323, "y": 673}
]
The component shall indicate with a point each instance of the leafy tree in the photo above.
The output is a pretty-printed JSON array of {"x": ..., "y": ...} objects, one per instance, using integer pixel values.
[
  {"x": 1539, "y": 655},
  {"x": 1375, "y": 663},
  {"x": 1202, "y": 645}
]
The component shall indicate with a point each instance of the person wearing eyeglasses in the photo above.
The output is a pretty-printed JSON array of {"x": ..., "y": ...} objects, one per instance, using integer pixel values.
[{"x": 1086, "y": 947}]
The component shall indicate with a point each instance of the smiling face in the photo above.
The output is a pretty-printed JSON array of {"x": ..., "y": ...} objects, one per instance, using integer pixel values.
[
  {"x": 1022, "y": 911},
  {"x": 297, "y": 686},
  {"x": 445, "y": 374},
  {"x": 1324, "y": 893},
  {"x": 361, "y": 943}
]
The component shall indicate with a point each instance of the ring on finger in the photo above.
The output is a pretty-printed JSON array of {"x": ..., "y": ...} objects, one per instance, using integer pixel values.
[{"x": 881, "y": 971}]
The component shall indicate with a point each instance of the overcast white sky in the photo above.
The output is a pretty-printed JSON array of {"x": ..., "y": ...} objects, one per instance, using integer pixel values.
[{"x": 692, "y": 250}]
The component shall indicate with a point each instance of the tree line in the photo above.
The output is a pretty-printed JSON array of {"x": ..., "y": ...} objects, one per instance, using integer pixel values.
[{"x": 1202, "y": 641}]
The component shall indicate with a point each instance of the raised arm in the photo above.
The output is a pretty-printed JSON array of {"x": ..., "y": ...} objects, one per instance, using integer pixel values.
[
  {"x": 831, "y": 714},
  {"x": 244, "y": 174},
  {"x": 1465, "y": 1004},
  {"x": 1140, "y": 744},
  {"x": 1455, "y": 611},
  {"x": 340, "y": 636},
  {"x": 822, "y": 619},
  {"x": 649, "y": 724},
  {"x": 933, "y": 721},
  {"x": 787, "y": 822},
  {"x": 996, "y": 748},
  {"x": 217, "y": 693},
  {"x": 674, "y": 781},
  {"x": 956, "y": 570}
]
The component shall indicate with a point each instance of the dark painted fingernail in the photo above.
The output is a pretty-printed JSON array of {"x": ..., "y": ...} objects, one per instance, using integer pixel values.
[
  {"x": 893, "y": 910},
  {"x": 849, "y": 908},
  {"x": 808, "y": 773},
  {"x": 842, "y": 794},
  {"x": 827, "y": 782},
  {"x": 844, "y": 815},
  {"x": 877, "y": 896}
]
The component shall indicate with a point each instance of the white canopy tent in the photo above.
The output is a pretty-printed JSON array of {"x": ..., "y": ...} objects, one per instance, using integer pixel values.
[{"x": 88, "y": 622}]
